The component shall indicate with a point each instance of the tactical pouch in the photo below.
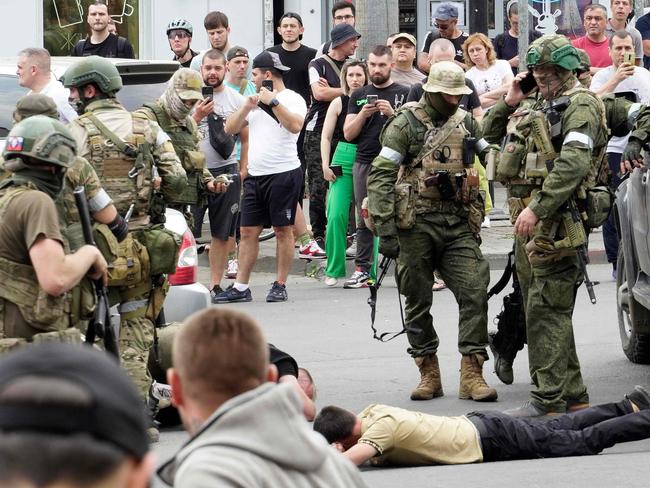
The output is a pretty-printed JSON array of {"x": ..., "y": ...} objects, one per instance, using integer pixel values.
[
  {"x": 543, "y": 250},
  {"x": 404, "y": 206},
  {"x": 491, "y": 163},
  {"x": 599, "y": 205},
  {"x": 470, "y": 186},
  {"x": 516, "y": 206},
  {"x": 71, "y": 335},
  {"x": 194, "y": 160},
  {"x": 476, "y": 214},
  {"x": 84, "y": 300},
  {"x": 512, "y": 157},
  {"x": 194, "y": 189},
  {"x": 162, "y": 246},
  {"x": 124, "y": 258}
]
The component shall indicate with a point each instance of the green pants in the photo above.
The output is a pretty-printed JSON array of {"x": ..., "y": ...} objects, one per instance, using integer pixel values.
[
  {"x": 339, "y": 198},
  {"x": 443, "y": 241},
  {"x": 549, "y": 293}
]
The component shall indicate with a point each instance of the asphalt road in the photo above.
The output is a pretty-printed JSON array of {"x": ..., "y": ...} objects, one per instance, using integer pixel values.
[{"x": 328, "y": 331}]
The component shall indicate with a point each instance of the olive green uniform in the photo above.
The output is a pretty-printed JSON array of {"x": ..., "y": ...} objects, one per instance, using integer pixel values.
[
  {"x": 549, "y": 287},
  {"x": 129, "y": 182},
  {"x": 441, "y": 238}
]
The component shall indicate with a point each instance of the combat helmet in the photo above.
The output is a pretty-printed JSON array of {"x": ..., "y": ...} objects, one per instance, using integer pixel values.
[
  {"x": 585, "y": 62},
  {"x": 181, "y": 24},
  {"x": 93, "y": 69},
  {"x": 555, "y": 50},
  {"x": 446, "y": 77},
  {"x": 42, "y": 138}
]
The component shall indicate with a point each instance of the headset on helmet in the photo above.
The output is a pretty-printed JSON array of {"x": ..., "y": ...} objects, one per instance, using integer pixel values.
[{"x": 555, "y": 50}]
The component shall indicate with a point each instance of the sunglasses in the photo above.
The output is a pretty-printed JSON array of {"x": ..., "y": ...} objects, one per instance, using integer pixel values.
[{"x": 181, "y": 34}]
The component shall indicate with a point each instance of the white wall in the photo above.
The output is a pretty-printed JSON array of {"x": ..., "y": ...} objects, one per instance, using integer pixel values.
[
  {"x": 310, "y": 11},
  {"x": 21, "y": 23}
]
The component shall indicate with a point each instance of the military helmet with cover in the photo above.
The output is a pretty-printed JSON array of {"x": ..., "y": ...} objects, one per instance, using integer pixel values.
[
  {"x": 585, "y": 62},
  {"x": 181, "y": 24},
  {"x": 446, "y": 77},
  {"x": 555, "y": 50},
  {"x": 35, "y": 104},
  {"x": 93, "y": 69},
  {"x": 42, "y": 138}
]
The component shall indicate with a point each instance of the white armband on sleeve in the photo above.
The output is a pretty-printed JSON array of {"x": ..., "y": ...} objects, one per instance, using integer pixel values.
[
  {"x": 391, "y": 155},
  {"x": 162, "y": 138},
  {"x": 580, "y": 138}
]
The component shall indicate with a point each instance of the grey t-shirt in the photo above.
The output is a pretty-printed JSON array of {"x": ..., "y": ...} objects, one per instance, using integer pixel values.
[
  {"x": 226, "y": 102},
  {"x": 636, "y": 38}
]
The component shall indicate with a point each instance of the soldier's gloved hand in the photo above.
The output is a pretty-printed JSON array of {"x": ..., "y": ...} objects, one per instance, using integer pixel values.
[
  {"x": 631, "y": 156},
  {"x": 389, "y": 246}
]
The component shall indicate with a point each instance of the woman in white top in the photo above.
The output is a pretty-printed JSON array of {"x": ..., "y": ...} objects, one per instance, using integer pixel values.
[{"x": 491, "y": 76}]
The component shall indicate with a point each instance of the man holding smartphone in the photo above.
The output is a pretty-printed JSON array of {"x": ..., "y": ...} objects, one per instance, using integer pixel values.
[{"x": 622, "y": 76}]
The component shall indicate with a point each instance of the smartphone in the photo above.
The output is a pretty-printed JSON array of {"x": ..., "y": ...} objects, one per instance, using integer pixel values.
[
  {"x": 371, "y": 99},
  {"x": 337, "y": 170},
  {"x": 528, "y": 84},
  {"x": 628, "y": 58},
  {"x": 207, "y": 92},
  {"x": 268, "y": 84}
]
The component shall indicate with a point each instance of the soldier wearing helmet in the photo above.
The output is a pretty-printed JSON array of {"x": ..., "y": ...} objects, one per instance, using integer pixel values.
[
  {"x": 551, "y": 158},
  {"x": 125, "y": 149},
  {"x": 179, "y": 35},
  {"x": 423, "y": 194},
  {"x": 172, "y": 113},
  {"x": 36, "y": 274}
]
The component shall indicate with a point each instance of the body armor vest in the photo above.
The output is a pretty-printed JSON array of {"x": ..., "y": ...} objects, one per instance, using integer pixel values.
[
  {"x": 185, "y": 144},
  {"x": 127, "y": 178},
  {"x": 19, "y": 284}
]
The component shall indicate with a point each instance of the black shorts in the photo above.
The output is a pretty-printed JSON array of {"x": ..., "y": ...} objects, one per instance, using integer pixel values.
[
  {"x": 223, "y": 208},
  {"x": 271, "y": 200}
]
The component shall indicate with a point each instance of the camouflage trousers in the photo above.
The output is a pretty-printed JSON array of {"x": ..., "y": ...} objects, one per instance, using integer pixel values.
[
  {"x": 316, "y": 183},
  {"x": 443, "y": 242},
  {"x": 549, "y": 293}
]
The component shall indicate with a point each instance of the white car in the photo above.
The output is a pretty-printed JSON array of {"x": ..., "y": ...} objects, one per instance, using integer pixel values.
[{"x": 143, "y": 81}]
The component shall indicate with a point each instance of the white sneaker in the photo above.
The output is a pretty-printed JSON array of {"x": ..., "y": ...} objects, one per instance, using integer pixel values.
[
  {"x": 311, "y": 251},
  {"x": 162, "y": 393},
  {"x": 233, "y": 267},
  {"x": 331, "y": 281},
  {"x": 351, "y": 252},
  {"x": 486, "y": 222}
]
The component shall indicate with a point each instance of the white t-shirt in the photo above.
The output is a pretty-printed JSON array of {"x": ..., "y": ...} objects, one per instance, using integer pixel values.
[
  {"x": 57, "y": 92},
  {"x": 491, "y": 78},
  {"x": 272, "y": 148},
  {"x": 638, "y": 83},
  {"x": 226, "y": 102}
]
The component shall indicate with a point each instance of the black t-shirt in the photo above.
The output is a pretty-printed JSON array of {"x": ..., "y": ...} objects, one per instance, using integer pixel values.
[
  {"x": 467, "y": 102},
  {"x": 458, "y": 44},
  {"x": 296, "y": 79},
  {"x": 321, "y": 69},
  {"x": 187, "y": 63},
  {"x": 368, "y": 145},
  {"x": 507, "y": 47},
  {"x": 111, "y": 47}
]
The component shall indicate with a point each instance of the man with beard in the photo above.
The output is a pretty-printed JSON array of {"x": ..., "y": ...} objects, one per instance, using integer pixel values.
[
  {"x": 179, "y": 34},
  {"x": 217, "y": 29},
  {"x": 423, "y": 194},
  {"x": 560, "y": 171},
  {"x": 369, "y": 108},
  {"x": 223, "y": 208},
  {"x": 101, "y": 42}
]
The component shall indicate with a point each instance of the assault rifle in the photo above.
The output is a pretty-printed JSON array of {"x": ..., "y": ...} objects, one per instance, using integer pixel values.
[
  {"x": 581, "y": 249},
  {"x": 100, "y": 325}
]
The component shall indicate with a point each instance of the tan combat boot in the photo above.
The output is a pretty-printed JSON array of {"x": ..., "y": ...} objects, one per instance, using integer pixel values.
[
  {"x": 472, "y": 384},
  {"x": 430, "y": 385}
]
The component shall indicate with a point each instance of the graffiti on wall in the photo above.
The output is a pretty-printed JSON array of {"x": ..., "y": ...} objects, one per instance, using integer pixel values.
[
  {"x": 65, "y": 23},
  {"x": 558, "y": 16}
]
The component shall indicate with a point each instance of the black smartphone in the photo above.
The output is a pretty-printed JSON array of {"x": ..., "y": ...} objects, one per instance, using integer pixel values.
[
  {"x": 207, "y": 92},
  {"x": 371, "y": 99},
  {"x": 337, "y": 170},
  {"x": 528, "y": 84},
  {"x": 268, "y": 84}
]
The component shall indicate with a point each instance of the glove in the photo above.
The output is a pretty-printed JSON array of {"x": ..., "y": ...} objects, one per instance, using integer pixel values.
[
  {"x": 389, "y": 246},
  {"x": 119, "y": 227},
  {"x": 632, "y": 151}
]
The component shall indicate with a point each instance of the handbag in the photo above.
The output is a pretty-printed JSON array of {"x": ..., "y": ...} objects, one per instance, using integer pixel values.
[{"x": 221, "y": 142}]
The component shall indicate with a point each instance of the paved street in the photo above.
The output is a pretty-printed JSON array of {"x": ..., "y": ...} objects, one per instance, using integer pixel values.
[{"x": 328, "y": 331}]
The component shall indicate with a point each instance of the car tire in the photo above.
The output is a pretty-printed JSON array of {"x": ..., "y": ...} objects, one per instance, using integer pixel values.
[{"x": 632, "y": 317}]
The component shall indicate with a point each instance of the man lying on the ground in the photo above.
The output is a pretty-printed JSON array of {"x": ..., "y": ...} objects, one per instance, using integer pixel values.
[{"x": 387, "y": 435}]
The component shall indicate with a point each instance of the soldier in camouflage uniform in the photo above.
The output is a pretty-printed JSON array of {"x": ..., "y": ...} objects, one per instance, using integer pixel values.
[
  {"x": 423, "y": 195},
  {"x": 553, "y": 154},
  {"x": 172, "y": 113},
  {"x": 36, "y": 274},
  {"x": 124, "y": 148}
]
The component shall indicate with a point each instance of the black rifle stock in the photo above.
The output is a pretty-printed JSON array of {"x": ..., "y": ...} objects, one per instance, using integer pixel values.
[
  {"x": 100, "y": 325},
  {"x": 582, "y": 251}
]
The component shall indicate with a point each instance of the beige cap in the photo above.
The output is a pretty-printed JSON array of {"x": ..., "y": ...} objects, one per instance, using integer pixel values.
[
  {"x": 188, "y": 83},
  {"x": 446, "y": 77},
  {"x": 407, "y": 36}
]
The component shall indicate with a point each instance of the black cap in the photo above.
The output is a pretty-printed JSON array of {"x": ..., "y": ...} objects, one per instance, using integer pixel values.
[
  {"x": 236, "y": 52},
  {"x": 112, "y": 410},
  {"x": 267, "y": 59},
  {"x": 341, "y": 33},
  {"x": 291, "y": 15}
]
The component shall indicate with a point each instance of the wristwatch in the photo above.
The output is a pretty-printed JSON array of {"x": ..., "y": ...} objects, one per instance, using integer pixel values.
[{"x": 274, "y": 103}]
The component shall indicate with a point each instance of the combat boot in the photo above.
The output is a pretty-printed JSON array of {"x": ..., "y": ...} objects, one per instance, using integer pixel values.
[
  {"x": 472, "y": 383},
  {"x": 430, "y": 385},
  {"x": 151, "y": 409}
]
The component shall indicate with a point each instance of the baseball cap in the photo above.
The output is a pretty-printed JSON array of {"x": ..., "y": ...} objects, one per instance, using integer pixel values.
[
  {"x": 341, "y": 33},
  {"x": 291, "y": 15},
  {"x": 267, "y": 59},
  {"x": 188, "y": 83},
  {"x": 236, "y": 52},
  {"x": 105, "y": 405},
  {"x": 407, "y": 36},
  {"x": 36, "y": 104},
  {"x": 446, "y": 11}
]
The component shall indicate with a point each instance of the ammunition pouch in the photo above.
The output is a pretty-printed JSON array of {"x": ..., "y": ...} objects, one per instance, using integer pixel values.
[
  {"x": 600, "y": 201},
  {"x": 84, "y": 301},
  {"x": 156, "y": 300},
  {"x": 513, "y": 154},
  {"x": 516, "y": 206},
  {"x": 162, "y": 246},
  {"x": 404, "y": 206},
  {"x": 476, "y": 214},
  {"x": 157, "y": 207},
  {"x": 542, "y": 250},
  {"x": 71, "y": 335},
  {"x": 127, "y": 260}
]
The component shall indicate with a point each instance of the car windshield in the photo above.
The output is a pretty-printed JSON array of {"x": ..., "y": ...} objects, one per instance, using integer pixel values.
[{"x": 131, "y": 96}]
